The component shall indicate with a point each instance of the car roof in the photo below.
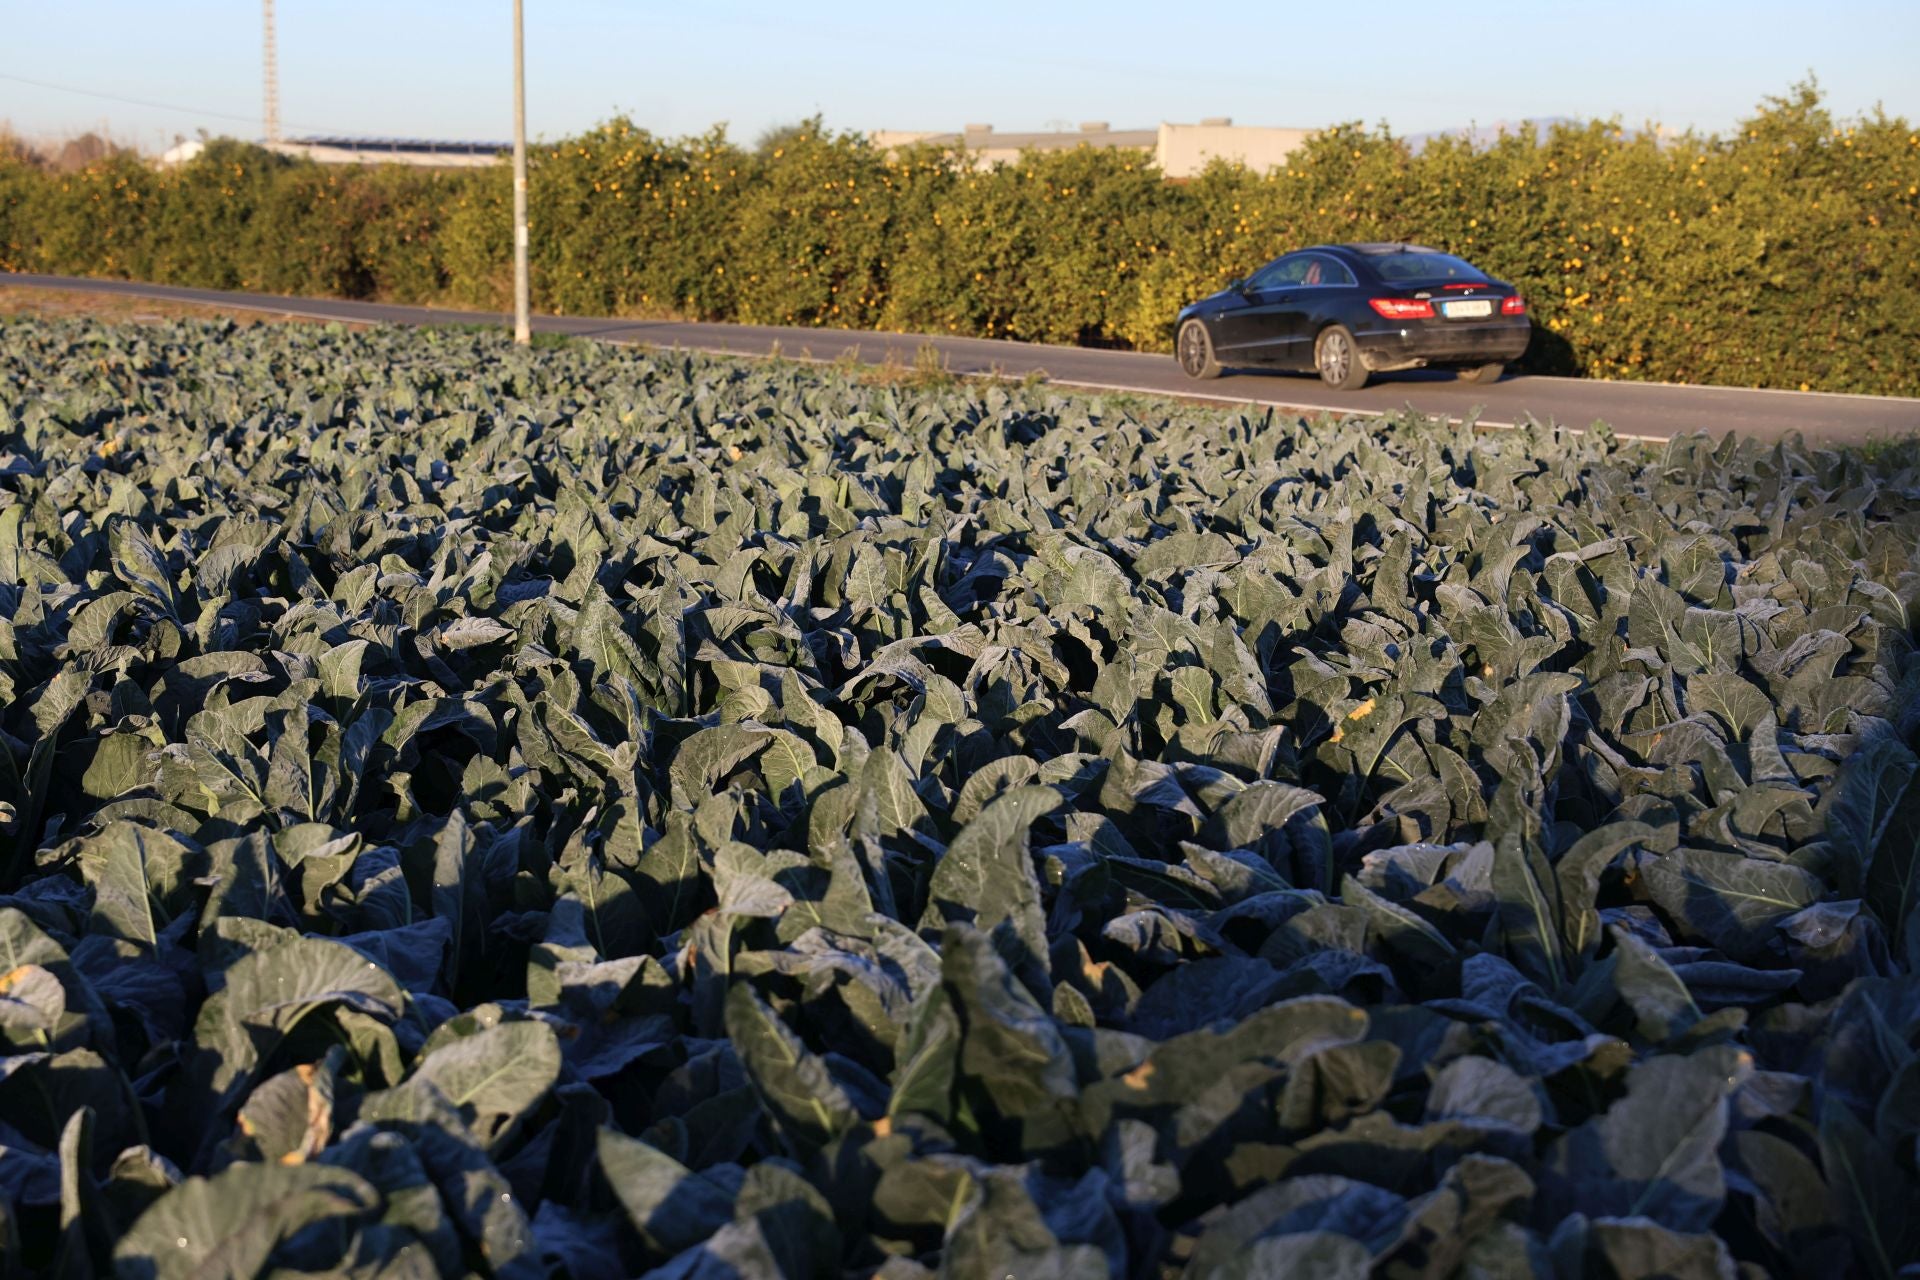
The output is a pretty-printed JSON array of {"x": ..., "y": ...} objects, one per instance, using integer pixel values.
[
  {"x": 1359, "y": 252},
  {"x": 1376, "y": 248},
  {"x": 1360, "y": 255}
]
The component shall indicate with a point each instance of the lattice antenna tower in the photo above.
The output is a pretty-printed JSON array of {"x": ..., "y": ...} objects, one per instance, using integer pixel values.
[{"x": 270, "y": 64}]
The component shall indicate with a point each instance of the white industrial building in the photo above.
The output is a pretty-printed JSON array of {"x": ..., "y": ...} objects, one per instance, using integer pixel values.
[
  {"x": 423, "y": 152},
  {"x": 420, "y": 152},
  {"x": 1178, "y": 150}
]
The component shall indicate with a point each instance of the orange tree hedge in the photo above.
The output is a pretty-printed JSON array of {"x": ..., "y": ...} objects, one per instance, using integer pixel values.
[{"x": 1781, "y": 255}]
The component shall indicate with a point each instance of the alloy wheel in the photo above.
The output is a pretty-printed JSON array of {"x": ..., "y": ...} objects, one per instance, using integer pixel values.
[
  {"x": 1193, "y": 349},
  {"x": 1336, "y": 357}
]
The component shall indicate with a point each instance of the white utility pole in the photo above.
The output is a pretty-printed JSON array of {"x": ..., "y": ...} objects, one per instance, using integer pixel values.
[
  {"x": 270, "y": 67},
  {"x": 522, "y": 320}
]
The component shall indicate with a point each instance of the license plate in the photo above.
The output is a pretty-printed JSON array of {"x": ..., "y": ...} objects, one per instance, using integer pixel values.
[{"x": 1466, "y": 310}]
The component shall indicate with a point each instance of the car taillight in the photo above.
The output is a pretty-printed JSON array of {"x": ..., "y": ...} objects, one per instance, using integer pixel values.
[
  {"x": 1403, "y": 308},
  {"x": 1514, "y": 306}
]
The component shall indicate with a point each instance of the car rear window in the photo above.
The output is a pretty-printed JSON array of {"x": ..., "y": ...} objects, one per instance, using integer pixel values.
[{"x": 1426, "y": 266}]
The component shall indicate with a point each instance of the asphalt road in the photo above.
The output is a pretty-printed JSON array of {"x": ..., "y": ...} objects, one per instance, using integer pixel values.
[{"x": 1645, "y": 409}]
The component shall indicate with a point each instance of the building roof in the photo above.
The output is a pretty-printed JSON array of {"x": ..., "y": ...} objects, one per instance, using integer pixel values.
[
  {"x": 985, "y": 138},
  {"x": 430, "y": 146}
]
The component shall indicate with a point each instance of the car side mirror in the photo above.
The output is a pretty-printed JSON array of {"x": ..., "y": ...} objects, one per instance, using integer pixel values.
[{"x": 1237, "y": 285}]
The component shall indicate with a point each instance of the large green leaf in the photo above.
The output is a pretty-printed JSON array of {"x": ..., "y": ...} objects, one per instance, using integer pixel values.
[
  {"x": 672, "y": 1207},
  {"x": 1654, "y": 1153},
  {"x": 495, "y": 1076},
  {"x": 229, "y": 1225},
  {"x": 792, "y": 1082},
  {"x": 1872, "y": 1193},
  {"x": 268, "y": 992},
  {"x": 987, "y": 877},
  {"x": 136, "y": 874}
]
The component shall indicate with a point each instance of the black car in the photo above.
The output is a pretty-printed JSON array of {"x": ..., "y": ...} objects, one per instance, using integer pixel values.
[{"x": 1347, "y": 311}]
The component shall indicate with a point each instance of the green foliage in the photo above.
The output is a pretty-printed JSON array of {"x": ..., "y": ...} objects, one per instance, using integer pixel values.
[
  {"x": 625, "y": 223},
  {"x": 475, "y": 810},
  {"x": 235, "y": 217},
  {"x": 810, "y": 234},
  {"x": 1785, "y": 255}
]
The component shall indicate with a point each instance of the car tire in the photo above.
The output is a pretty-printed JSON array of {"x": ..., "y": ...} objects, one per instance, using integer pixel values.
[
  {"x": 1482, "y": 373},
  {"x": 1337, "y": 358},
  {"x": 1194, "y": 350}
]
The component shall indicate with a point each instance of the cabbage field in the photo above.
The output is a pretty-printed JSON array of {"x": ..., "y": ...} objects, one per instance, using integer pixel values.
[{"x": 598, "y": 813}]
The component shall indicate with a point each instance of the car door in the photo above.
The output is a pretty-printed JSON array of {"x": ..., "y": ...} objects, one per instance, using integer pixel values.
[
  {"x": 1326, "y": 285},
  {"x": 1264, "y": 327}
]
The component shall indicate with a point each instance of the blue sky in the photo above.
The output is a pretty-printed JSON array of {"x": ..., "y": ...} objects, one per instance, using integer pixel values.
[{"x": 437, "y": 68}]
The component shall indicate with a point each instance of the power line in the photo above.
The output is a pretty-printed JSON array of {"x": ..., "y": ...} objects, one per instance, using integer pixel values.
[{"x": 156, "y": 106}]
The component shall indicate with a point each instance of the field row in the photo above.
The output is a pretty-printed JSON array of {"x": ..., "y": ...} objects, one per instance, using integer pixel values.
[{"x": 587, "y": 812}]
